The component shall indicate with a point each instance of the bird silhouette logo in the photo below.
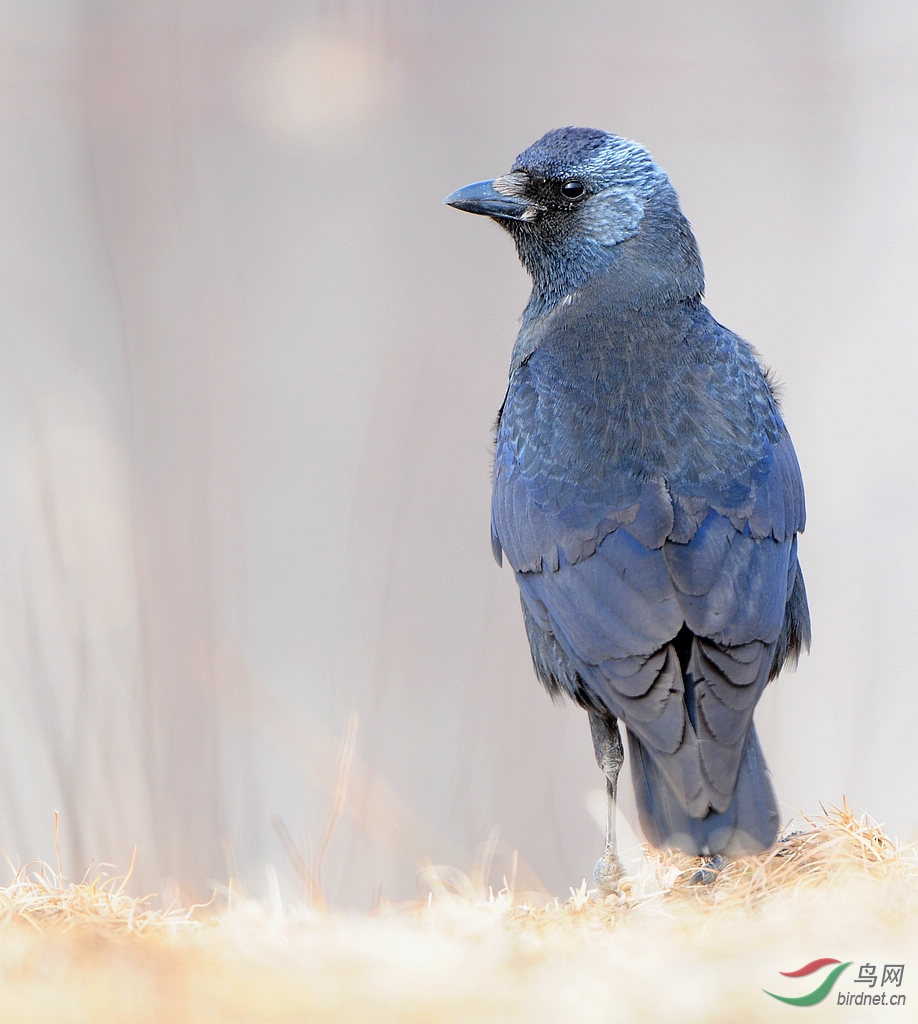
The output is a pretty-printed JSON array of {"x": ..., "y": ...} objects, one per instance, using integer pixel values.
[{"x": 822, "y": 989}]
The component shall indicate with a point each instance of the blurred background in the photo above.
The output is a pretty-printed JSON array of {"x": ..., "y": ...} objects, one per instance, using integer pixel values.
[{"x": 249, "y": 367}]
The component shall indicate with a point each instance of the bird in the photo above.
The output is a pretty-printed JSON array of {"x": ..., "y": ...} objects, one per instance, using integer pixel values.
[{"x": 646, "y": 493}]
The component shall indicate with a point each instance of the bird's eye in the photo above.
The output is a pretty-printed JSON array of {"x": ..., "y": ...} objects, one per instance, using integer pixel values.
[{"x": 572, "y": 189}]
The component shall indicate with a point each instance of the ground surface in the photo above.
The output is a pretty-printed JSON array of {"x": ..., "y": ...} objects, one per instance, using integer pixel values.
[{"x": 664, "y": 950}]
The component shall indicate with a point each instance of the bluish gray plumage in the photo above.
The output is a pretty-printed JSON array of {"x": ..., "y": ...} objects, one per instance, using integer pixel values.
[{"x": 646, "y": 491}]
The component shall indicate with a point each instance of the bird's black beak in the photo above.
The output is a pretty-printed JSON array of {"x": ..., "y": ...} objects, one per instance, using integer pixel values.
[{"x": 485, "y": 199}]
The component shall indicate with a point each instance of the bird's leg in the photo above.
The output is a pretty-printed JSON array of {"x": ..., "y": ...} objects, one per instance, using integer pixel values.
[{"x": 607, "y": 744}]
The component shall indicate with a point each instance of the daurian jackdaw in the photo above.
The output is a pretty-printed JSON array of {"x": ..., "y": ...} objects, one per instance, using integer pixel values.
[{"x": 646, "y": 493}]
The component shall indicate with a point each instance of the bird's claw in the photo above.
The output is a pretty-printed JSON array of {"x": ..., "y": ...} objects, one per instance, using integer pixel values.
[
  {"x": 608, "y": 873},
  {"x": 709, "y": 871}
]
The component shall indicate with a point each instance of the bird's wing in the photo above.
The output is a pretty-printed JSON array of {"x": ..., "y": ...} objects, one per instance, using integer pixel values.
[{"x": 663, "y": 599}]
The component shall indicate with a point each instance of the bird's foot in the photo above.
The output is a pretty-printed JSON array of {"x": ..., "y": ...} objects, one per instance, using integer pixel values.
[
  {"x": 709, "y": 871},
  {"x": 608, "y": 873}
]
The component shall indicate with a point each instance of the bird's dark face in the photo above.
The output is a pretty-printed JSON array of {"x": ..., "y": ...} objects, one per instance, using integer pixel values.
[
  {"x": 571, "y": 199},
  {"x": 577, "y": 185}
]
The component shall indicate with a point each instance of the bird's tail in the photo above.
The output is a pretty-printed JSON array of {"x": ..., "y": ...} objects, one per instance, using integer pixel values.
[{"x": 748, "y": 825}]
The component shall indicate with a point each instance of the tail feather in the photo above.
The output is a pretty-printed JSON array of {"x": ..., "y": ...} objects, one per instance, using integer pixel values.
[{"x": 748, "y": 825}]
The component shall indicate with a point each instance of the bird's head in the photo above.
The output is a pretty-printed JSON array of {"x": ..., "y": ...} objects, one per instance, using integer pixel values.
[{"x": 581, "y": 202}]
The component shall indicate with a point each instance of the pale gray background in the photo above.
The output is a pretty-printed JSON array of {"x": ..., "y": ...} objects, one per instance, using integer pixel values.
[{"x": 249, "y": 366}]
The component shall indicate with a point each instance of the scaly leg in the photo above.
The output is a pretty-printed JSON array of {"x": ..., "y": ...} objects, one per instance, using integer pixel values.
[{"x": 607, "y": 744}]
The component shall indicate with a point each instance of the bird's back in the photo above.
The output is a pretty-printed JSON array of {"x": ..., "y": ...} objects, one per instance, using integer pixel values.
[
  {"x": 608, "y": 399},
  {"x": 648, "y": 496}
]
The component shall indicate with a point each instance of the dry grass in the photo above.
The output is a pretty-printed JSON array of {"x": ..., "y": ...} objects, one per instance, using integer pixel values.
[{"x": 664, "y": 950}]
